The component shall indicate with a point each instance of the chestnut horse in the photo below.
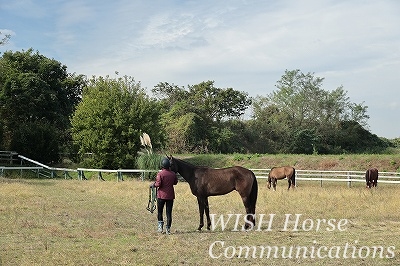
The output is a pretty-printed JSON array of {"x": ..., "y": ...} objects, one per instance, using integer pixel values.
[
  {"x": 371, "y": 177},
  {"x": 281, "y": 173},
  {"x": 205, "y": 182}
]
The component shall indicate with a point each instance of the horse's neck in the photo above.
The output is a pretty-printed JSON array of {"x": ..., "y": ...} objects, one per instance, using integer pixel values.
[{"x": 186, "y": 170}]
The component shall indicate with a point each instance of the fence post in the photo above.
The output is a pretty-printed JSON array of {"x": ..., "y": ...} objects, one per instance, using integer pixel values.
[
  {"x": 66, "y": 175},
  {"x": 321, "y": 180},
  {"x": 349, "y": 179},
  {"x": 119, "y": 176},
  {"x": 81, "y": 175}
]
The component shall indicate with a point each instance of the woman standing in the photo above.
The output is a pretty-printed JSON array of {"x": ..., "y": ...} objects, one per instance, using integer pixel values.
[{"x": 165, "y": 181}]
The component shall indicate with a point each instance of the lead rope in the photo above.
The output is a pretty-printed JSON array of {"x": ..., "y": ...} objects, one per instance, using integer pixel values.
[{"x": 151, "y": 206}]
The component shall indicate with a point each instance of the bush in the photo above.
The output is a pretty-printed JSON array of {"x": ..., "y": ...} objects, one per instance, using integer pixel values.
[{"x": 149, "y": 162}]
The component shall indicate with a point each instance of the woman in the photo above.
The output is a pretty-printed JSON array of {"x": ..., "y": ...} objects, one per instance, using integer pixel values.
[{"x": 165, "y": 181}]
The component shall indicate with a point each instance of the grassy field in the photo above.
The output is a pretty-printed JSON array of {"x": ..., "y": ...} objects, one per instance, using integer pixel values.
[{"x": 71, "y": 222}]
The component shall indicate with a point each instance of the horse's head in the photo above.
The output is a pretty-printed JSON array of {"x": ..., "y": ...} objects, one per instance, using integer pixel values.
[
  {"x": 269, "y": 183},
  {"x": 172, "y": 163}
]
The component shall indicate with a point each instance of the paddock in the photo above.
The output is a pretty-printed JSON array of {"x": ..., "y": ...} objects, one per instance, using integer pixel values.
[{"x": 57, "y": 221}]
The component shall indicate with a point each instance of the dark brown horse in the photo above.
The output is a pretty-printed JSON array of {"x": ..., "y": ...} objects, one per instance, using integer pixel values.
[
  {"x": 205, "y": 182},
  {"x": 371, "y": 177},
  {"x": 281, "y": 173}
]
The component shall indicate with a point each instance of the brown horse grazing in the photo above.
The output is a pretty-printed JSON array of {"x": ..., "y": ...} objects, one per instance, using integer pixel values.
[
  {"x": 371, "y": 177},
  {"x": 281, "y": 173},
  {"x": 205, "y": 182}
]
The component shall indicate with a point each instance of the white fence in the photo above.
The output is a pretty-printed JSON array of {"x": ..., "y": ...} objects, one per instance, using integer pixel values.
[
  {"x": 52, "y": 172},
  {"x": 301, "y": 175},
  {"x": 334, "y": 176},
  {"x": 119, "y": 173}
]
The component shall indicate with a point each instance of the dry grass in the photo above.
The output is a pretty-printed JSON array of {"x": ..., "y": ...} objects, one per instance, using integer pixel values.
[{"x": 70, "y": 222}]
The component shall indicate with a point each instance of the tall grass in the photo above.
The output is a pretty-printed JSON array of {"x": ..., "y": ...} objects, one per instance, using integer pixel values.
[
  {"x": 149, "y": 161},
  {"x": 71, "y": 222}
]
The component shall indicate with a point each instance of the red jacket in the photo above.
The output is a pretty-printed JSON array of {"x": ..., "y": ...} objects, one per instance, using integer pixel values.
[{"x": 165, "y": 181}]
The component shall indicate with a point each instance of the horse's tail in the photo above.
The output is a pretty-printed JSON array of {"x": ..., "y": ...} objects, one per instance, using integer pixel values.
[
  {"x": 253, "y": 194},
  {"x": 294, "y": 177},
  {"x": 367, "y": 177}
]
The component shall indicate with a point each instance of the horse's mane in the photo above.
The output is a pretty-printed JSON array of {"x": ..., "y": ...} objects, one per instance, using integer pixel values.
[
  {"x": 190, "y": 164},
  {"x": 184, "y": 162}
]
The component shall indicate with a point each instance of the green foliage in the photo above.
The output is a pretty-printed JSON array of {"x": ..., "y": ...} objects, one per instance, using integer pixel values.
[
  {"x": 45, "y": 148},
  {"x": 36, "y": 91},
  {"x": 185, "y": 134},
  {"x": 303, "y": 142},
  {"x": 195, "y": 118},
  {"x": 149, "y": 162},
  {"x": 301, "y": 117},
  {"x": 110, "y": 119}
]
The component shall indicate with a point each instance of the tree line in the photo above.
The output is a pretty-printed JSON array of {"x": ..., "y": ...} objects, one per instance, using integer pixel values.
[{"x": 46, "y": 111}]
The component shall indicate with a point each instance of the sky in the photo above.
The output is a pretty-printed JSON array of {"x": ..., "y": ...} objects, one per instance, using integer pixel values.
[{"x": 241, "y": 44}]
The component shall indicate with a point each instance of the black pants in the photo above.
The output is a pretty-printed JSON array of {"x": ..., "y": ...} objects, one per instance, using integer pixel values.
[{"x": 168, "y": 209}]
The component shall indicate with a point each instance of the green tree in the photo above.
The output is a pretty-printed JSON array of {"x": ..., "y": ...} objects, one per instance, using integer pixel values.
[
  {"x": 195, "y": 118},
  {"x": 301, "y": 117},
  {"x": 37, "y": 93},
  {"x": 110, "y": 119}
]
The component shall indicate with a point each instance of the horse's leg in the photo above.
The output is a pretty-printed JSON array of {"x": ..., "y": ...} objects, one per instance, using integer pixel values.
[
  {"x": 201, "y": 213},
  {"x": 367, "y": 178},
  {"x": 207, "y": 211},
  {"x": 274, "y": 182},
  {"x": 289, "y": 182},
  {"x": 249, "y": 209}
]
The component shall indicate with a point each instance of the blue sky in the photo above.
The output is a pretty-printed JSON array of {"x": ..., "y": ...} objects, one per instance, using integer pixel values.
[{"x": 245, "y": 45}]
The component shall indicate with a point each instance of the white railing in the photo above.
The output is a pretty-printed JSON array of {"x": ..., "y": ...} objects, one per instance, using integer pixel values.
[
  {"x": 335, "y": 176},
  {"x": 51, "y": 171},
  {"x": 118, "y": 172},
  {"x": 348, "y": 176}
]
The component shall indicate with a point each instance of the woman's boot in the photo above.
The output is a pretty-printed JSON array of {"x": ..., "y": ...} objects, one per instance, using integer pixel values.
[{"x": 160, "y": 226}]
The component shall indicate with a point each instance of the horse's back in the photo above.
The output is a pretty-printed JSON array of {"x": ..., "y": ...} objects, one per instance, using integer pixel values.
[
  {"x": 236, "y": 172},
  {"x": 281, "y": 172},
  {"x": 226, "y": 175}
]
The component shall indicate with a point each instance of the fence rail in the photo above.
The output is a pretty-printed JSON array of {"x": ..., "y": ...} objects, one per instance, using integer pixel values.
[
  {"x": 334, "y": 176},
  {"x": 301, "y": 175},
  {"x": 118, "y": 172},
  {"x": 8, "y": 157}
]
